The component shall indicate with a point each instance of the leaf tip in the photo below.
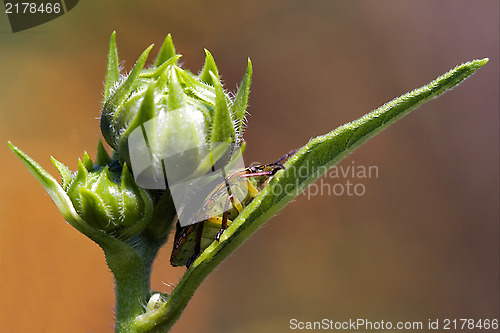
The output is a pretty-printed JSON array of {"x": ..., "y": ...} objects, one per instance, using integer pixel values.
[
  {"x": 249, "y": 65},
  {"x": 476, "y": 63},
  {"x": 14, "y": 149},
  {"x": 166, "y": 52},
  {"x": 482, "y": 62},
  {"x": 208, "y": 67}
]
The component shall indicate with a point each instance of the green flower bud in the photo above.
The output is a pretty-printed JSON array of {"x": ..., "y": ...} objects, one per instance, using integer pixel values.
[
  {"x": 100, "y": 199},
  {"x": 105, "y": 195},
  {"x": 177, "y": 111}
]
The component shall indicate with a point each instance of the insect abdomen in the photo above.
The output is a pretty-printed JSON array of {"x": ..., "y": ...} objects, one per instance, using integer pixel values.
[{"x": 185, "y": 240}]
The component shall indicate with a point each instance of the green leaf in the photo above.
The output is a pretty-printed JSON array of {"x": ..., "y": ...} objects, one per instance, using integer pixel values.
[
  {"x": 239, "y": 106},
  {"x": 223, "y": 128},
  {"x": 323, "y": 152},
  {"x": 314, "y": 159},
  {"x": 113, "y": 68},
  {"x": 167, "y": 51},
  {"x": 209, "y": 66}
]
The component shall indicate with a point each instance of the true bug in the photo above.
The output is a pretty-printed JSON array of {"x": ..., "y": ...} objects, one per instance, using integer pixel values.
[{"x": 193, "y": 239}]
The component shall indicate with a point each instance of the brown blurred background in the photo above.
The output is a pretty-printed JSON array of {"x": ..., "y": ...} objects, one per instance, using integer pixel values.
[{"x": 422, "y": 242}]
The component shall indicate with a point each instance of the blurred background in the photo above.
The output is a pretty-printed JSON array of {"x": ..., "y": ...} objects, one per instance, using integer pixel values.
[{"x": 421, "y": 243}]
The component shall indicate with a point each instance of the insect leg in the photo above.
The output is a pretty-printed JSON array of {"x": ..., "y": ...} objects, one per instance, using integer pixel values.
[
  {"x": 237, "y": 204},
  {"x": 252, "y": 190},
  {"x": 224, "y": 217},
  {"x": 197, "y": 246}
]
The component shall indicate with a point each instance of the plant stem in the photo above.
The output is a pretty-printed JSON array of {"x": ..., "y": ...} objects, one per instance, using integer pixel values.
[{"x": 132, "y": 277}]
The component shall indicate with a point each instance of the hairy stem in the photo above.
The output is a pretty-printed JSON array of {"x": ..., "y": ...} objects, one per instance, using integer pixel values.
[{"x": 132, "y": 278}]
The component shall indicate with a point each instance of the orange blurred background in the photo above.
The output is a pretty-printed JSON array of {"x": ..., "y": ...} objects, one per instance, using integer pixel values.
[{"x": 421, "y": 243}]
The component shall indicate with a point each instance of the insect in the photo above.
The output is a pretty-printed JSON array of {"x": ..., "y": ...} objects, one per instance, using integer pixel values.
[{"x": 193, "y": 239}]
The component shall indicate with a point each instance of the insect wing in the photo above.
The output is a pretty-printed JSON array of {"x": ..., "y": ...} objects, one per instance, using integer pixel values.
[{"x": 240, "y": 188}]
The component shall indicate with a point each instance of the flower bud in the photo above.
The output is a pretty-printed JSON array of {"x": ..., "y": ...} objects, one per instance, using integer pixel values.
[
  {"x": 176, "y": 111},
  {"x": 106, "y": 196}
]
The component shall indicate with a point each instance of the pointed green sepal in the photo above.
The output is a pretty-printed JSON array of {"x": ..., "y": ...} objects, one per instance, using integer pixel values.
[
  {"x": 146, "y": 111},
  {"x": 54, "y": 190},
  {"x": 64, "y": 171},
  {"x": 243, "y": 147},
  {"x": 56, "y": 193},
  {"x": 209, "y": 66},
  {"x": 222, "y": 128},
  {"x": 107, "y": 190},
  {"x": 166, "y": 52},
  {"x": 208, "y": 161},
  {"x": 128, "y": 85},
  {"x": 128, "y": 182},
  {"x": 102, "y": 157},
  {"x": 156, "y": 72},
  {"x": 137, "y": 217},
  {"x": 113, "y": 68},
  {"x": 201, "y": 90},
  {"x": 93, "y": 209},
  {"x": 87, "y": 162},
  {"x": 176, "y": 97},
  {"x": 239, "y": 106},
  {"x": 80, "y": 179},
  {"x": 162, "y": 82},
  {"x": 110, "y": 110}
]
